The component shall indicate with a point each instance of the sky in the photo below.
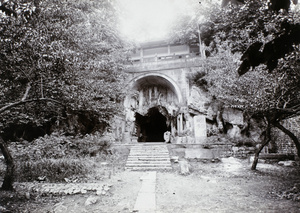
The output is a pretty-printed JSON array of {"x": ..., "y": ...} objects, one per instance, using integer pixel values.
[{"x": 145, "y": 20}]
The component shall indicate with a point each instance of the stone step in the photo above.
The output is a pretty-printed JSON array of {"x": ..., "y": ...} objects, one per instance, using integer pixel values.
[
  {"x": 148, "y": 168},
  {"x": 156, "y": 150},
  {"x": 149, "y": 147},
  {"x": 148, "y": 158},
  {"x": 148, "y": 153},
  {"x": 148, "y": 162},
  {"x": 147, "y": 150}
]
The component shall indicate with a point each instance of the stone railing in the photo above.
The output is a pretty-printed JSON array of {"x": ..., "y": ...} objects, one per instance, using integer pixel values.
[{"x": 167, "y": 62}]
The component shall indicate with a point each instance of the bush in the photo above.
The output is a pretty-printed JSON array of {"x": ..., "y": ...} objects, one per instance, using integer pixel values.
[
  {"x": 54, "y": 170},
  {"x": 57, "y": 156},
  {"x": 59, "y": 146}
]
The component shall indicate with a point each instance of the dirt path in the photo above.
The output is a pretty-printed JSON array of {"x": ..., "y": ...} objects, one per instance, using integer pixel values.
[
  {"x": 227, "y": 186},
  {"x": 213, "y": 194}
]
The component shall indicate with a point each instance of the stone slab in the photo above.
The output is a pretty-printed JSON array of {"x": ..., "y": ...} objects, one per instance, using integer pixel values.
[
  {"x": 200, "y": 128},
  {"x": 148, "y": 187},
  {"x": 146, "y": 200},
  {"x": 149, "y": 176}
]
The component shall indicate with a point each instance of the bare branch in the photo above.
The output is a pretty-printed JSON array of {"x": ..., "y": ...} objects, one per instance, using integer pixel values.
[
  {"x": 9, "y": 106},
  {"x": 26, "y": 92}
]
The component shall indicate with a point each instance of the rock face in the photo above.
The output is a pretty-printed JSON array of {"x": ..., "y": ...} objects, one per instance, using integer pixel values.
[
  {"x": 160, "y": 78},
  {"x": 235, "y": 132},
  {"x": 184, "y": 167},
  {"x": 233, "y": 116},
  {"x": 256, "y": 127}
]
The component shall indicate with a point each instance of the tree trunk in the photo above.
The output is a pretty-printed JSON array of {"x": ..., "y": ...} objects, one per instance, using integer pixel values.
[
  {"x": 291, "y": 135},
  {"x": 9, "y": 175},
  {"x": 266, "y": 141}
]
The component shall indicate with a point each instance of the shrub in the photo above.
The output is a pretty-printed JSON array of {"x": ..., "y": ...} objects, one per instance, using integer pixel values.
[
  {"x": 54, "y": 170},
  {"x": 59, "y": 146},
  {"x": 57, "y": 156}
]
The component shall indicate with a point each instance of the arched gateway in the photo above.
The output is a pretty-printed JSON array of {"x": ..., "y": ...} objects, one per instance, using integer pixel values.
[
  {"x": 152, "y": 104},
  {"x": 159, "y": 98}
]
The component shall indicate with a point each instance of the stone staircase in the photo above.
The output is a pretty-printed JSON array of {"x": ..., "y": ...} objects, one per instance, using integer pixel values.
[{"x": 149, "y": 157}]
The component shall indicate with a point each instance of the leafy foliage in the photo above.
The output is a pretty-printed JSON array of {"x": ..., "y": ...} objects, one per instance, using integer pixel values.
[
  {"x": 230, "y": 31},
  {"x": 272, "y": 97},
  {"x": 59, "y": 146},
  {"x": 58, "y": 156},
  {"x": 66, "y": 51}
]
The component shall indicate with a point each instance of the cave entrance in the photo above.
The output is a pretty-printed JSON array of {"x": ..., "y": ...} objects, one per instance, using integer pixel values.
[{"x": 152, "y": 126}]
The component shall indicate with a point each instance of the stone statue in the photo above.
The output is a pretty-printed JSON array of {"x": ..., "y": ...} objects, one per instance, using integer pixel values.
[{"x": 167, "y": 135}]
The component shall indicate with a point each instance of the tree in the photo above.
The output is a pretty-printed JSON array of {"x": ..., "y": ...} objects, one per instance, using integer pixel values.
[
  {"x": 274, "y": 96},
  {"x": 63, "y": 55}
]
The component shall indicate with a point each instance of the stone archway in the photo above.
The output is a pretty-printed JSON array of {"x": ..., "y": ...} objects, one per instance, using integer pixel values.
[
  {"x": 151, "y": 100},
  {"x": 148, "y": 90}
]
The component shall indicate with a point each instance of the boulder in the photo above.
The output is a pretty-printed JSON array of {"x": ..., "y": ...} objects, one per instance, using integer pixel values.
[
  {"x": 91, "y": 200},
  {"x": 235, "y": 132},
  {"x": 174, "y": 159},
  {"x": 288, "y": 163},
  {"x": 233, "y": 116},
  {"x": 184, "y": 167}
]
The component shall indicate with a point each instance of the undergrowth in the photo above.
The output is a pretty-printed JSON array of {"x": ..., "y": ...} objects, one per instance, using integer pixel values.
[
  {"x": 49, "y": 169},
  {"x": 57, "y": 157}
]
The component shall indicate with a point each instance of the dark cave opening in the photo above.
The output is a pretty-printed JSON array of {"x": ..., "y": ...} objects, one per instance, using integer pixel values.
[{"x": 152, "y": 126}]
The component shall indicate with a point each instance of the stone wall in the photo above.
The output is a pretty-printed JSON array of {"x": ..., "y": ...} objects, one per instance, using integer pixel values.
[{"x": 210, "y": 151}]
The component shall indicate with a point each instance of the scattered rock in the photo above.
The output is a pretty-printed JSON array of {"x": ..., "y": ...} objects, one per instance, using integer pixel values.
[
  {"x": 174, "y": 159},
  {"x": 83, "y": 191},
  {"x": 184, "y": 167},
  {"x": 2, "y": 209},
  {"x": 76, "y": 191},
  {"x": 67, "y": 180},
  {"x": 60, "y": 208},
  {"x": 91, "y": 200},
  {"x": 105, "y": 188},
  {"x": 288, "y": 163},
  {"x": 292, "y": 194},
  {"x": 43, "y": 178},
  {"x": 27, "y": 195},
  {"x": 99, "y": 192}
]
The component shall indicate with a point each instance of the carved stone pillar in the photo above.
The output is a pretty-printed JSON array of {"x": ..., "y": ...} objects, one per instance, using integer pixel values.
[{"x": 141, "y": 100}]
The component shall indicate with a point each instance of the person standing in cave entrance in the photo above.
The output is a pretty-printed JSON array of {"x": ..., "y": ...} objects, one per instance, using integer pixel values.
[{"x": 167, "y": 135}]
